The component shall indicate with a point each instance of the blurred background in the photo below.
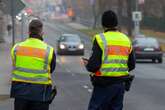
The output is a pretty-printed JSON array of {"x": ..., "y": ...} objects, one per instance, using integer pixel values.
[{"x": 69, "y": 26}]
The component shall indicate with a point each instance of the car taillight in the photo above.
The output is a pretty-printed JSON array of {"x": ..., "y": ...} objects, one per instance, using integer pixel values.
[
  {"x": 157, "y": 49},
  {"x": 137, "y": 48}
]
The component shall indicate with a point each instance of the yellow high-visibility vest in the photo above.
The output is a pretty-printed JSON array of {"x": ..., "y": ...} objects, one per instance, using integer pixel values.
[
  {"x": 31, "y": 62},
  {"x": 116, "y": 48}
]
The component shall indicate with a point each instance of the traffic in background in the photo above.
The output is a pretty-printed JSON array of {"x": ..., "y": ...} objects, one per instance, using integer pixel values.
[{"x": 70, "y": 18}]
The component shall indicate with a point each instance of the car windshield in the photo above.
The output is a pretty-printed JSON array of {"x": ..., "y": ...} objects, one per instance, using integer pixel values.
[
  {"x": 72, "y": 39},
  {"x": 149, "y": 42}
]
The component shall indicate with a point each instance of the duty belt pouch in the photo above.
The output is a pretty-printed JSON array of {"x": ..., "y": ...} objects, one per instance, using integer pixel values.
[
  {"x": 53, "y": 94},
  {"x": 128, "y": 82}
]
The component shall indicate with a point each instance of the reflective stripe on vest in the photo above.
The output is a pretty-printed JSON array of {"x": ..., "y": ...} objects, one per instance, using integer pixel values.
[
  {"x": 105, "y": 45},
  {"x": 114, "y": 69},
  {"x": 28, "y": 79},
  {"x": 27, "y": 74},
  {"x": 30, "y": 70},
  {"x": 118, "y": 50},
  {"x": 114, "y": 61}
]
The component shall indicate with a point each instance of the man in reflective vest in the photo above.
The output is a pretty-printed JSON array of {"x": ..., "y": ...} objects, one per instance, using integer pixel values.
[
  {"x": 33, "y": 62},
  {"x": 110, "y": 63}
]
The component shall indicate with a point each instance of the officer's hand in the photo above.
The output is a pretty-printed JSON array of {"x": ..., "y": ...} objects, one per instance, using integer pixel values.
[{"x": 85, "y": 61}]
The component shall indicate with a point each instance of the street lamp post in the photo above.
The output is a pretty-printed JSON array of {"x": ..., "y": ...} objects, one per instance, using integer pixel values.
[
  {"x": 23, "y": 20},
  {"x": 22, "y": 26},
  {"x": 136, "y": 5},
  {"x": 92, "y": 3},
  {"x": 136, "y": 22},
  {"x": 13, "y": 22}
]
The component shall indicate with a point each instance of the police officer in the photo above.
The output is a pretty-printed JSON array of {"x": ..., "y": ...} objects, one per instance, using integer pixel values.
[
  {"x": 33, "y": 62},
  {"x": 110, "y": 63}
]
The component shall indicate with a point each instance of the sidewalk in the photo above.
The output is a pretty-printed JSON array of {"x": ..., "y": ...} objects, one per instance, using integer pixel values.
[
  {"x": 5, "y": 69},
  {"x": 5, "y": 66},
  {"x": 5, "y": 74}
]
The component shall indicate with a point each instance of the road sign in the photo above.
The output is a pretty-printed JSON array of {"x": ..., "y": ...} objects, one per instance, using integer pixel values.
[
  {"x": 92, "y": 2},
  {"x": 137, "y": 16},
  {"x": 17, "y": 4},
  {"x": 141, "y": 2}
]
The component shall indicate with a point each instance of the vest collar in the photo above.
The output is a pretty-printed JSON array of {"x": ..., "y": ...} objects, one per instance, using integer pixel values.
[{"x": 35, "y": 39}]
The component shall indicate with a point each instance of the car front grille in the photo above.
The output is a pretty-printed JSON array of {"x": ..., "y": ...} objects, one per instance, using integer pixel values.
[{"x": 72, "y": 47}]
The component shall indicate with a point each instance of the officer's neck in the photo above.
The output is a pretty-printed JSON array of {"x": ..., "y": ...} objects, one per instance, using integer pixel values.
[
  {"x": 37, "y": 37},
  {"x": 110, "y": 29}
]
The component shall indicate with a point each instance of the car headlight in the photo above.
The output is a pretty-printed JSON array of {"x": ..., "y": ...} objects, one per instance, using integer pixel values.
[
  {"x": 81, "y": 46},
  {"x": 62, "y": 46}
]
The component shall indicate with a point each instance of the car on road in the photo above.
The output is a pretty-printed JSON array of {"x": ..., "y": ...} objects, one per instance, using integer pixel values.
[
  {"x": 148, "y": 48},
  {"x": 139, "y": 36},
  {"x": 70, "y": 44}
]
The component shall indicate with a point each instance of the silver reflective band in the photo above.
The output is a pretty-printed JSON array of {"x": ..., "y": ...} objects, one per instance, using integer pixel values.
[
  {"x": 114, "y": 69},
  {"x": 103, "y": 39},
  {"x": 15, "y": 55},
  {"x": 47, "y": 58},
  {"x": 116, "y": 61},
  {"x": 30, "y": 70},
  {"x": 105, "y": 46},
  {"x": 38, "y": 79}
]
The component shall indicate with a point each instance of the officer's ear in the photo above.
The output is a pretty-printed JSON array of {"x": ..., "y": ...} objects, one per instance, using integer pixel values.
[
  {"x": 104, "y": 28},
  {"x": 41, "y": 34}
]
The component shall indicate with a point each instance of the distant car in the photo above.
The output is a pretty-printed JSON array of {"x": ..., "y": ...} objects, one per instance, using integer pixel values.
[
  {"x": 139, "y": 36},
  {"x": 70, "y": 44},
  {"x": 147, "y": 48}
]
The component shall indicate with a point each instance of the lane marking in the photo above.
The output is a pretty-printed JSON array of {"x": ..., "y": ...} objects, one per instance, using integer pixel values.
[
  {"x": 89, "y": 90},
  {"x": 85, "y": 86},
  {"x": 73, "y": 74},
  {"x": 58, "y": 60},
  {"x": 67, "y": 70}
]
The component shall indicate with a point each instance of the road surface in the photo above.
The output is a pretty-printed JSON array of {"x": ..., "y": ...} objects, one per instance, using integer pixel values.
[{"x": 74, "y": 87}]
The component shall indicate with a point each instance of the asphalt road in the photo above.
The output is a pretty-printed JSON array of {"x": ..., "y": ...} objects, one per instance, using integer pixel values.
[
  {"x": 74, "y": 87},
  {"x": 147, "y": 92}
]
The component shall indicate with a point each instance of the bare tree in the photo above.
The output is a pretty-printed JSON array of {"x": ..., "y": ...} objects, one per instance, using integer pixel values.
[
  {"x": 1, "y": 27},
  {"x": 163, "y": 8},
  {"x": 119, "y": 12},
  {"x": 98, "y": 8},
  {"x": 129, "y": 17}
]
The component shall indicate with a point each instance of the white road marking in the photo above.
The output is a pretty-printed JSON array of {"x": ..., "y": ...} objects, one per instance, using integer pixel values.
[
  {"x": 73, "y": 74},
  {"x": 68, "y": 70},
  {"x": 58, "y": 61},
  {"x": 85, "y": 86},
  {"x": 90, "y": 90}
]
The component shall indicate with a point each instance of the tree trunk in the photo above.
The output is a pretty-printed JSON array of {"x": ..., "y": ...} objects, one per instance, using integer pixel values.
[
  {"x": 1, "y": 27},
  {"x": 98, "y": 9},
  {"x": 119, "y": 12},
  {"x": 163, "y": 10},
  {"x": 94, "y": 16},
  {"x": 129, "y": 18}
]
